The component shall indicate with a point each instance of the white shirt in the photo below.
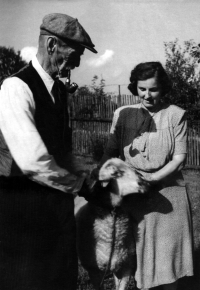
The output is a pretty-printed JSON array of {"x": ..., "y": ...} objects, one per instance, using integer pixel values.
[{"x": 17, "y": 110}]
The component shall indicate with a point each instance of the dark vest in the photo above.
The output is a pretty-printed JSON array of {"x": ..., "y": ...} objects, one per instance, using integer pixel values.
[{"x": 52, "y": 123}]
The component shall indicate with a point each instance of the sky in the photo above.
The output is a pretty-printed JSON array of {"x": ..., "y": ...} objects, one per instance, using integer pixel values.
[{"x": 125, "y": 32}]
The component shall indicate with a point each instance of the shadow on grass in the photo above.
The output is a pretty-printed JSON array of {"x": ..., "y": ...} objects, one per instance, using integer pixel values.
[
  {"x": 192, "y": 283},
  {"x": 85, "y": 284}
]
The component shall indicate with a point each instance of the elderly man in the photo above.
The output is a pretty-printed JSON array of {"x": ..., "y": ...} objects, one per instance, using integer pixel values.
[{"x": 38, "y": 176}]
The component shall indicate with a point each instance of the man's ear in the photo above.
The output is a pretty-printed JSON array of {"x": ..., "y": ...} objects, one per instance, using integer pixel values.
[{"x": 51, "y": 44}]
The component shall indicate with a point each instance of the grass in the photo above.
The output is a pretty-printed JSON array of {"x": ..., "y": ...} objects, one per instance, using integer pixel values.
[{"x": 192, "y": 178}]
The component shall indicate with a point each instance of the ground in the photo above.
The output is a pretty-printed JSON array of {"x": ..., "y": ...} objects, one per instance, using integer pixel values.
[{"x": 192, "y": 178}]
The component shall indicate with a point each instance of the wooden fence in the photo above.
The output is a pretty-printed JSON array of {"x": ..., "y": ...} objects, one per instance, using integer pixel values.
[
  {"x": 193, "y": 157},
  {"x": 87, "y": 134},
  {"x": 89, "y": 107},
  {"x": 91, "y": 122}
]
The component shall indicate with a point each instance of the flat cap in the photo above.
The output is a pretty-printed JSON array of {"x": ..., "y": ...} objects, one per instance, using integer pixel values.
[{"x": 67, "y": 28}]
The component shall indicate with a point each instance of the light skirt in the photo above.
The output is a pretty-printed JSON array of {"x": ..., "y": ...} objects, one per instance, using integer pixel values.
[{"x": 163, "y": 233}]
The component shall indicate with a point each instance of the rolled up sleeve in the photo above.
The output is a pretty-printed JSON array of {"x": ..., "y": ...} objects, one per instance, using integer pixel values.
[
  {"x": 180, "y": 134},
  {"x": 112, "y": 148}
]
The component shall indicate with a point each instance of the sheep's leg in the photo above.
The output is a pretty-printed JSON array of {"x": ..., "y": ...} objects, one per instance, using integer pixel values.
[
  {"x": 96, "y": 277},
  {"x": 122, "y": 281}
]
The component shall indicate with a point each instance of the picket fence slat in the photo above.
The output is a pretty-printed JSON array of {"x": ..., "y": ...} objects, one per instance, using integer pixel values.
[
  {"x": 91, "y": 121},
  {"x": 193, "y": 157}
]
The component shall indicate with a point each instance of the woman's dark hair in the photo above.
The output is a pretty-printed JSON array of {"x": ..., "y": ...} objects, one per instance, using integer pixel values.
[{"x": 147, "y": 70}]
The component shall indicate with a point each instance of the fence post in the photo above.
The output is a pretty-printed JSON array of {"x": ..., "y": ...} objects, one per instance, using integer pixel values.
[{"x": 119, "y": 98}]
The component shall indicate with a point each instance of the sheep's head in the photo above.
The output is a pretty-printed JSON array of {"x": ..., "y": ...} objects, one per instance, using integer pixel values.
[{"x": 127, "y": 180}]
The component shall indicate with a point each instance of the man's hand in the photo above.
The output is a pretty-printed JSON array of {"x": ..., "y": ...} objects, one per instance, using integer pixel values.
[
  {"x": 93, "y": 192},
  {"x": 83, "y": 173},
  {"x": 95, "y": 173},
  {"x": 85, "y": 190}
]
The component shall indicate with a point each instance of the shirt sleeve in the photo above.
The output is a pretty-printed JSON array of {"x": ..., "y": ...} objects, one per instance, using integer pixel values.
[
  {"x": 112, "y": 148},
  {"x": 17, "y": 109},
  {"x": 180, "y": 134}
]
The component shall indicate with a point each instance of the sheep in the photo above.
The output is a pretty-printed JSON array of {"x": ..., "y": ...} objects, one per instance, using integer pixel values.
[{"x": 105, "y": 241}]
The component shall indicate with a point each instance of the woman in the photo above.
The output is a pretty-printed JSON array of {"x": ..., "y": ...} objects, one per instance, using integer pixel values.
[{"x": 151, "y": 137}]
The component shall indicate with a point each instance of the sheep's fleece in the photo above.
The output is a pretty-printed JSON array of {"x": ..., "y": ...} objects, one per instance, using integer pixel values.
[{"x": 105, "y": 241}]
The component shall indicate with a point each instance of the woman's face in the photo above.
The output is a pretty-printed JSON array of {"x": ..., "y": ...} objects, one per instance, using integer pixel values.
[{"x": 150, "y": 93}]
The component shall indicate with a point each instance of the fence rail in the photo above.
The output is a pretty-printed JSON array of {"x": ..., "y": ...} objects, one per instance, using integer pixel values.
[{"x": 91, "y": 122}]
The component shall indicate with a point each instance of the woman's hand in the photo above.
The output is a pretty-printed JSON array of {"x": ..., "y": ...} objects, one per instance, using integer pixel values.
[
  {"x": 171, "y": 168},
  {"x": 164, "y": 174},
  {"x": 150, "y": 179}
]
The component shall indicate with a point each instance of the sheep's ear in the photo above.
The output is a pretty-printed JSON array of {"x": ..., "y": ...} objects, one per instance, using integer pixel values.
[{"x": 113, "y": 187}]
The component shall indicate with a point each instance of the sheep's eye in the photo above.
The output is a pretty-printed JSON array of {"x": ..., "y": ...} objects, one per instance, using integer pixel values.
[
  {"x": 117, "y": 174},
  {"x": 122, "y": 172}
]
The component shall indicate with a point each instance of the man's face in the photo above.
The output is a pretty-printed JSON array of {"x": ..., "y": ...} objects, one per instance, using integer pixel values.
[{"x": 67, "y": 57}]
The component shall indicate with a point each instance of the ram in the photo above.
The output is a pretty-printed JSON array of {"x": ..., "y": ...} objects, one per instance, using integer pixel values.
[{"x": 105, "y": 240}]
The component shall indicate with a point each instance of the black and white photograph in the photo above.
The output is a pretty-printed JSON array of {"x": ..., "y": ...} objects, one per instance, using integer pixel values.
[{"x": 99, "y": 144}]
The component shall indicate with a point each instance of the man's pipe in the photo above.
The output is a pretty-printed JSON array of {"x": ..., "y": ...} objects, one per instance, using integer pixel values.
[{"x": 71, "y": 88}]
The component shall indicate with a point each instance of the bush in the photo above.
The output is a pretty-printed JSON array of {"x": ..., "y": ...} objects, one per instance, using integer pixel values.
[
  {"x": 10, "y": 62},
  {"x": 98, "y": 146}
]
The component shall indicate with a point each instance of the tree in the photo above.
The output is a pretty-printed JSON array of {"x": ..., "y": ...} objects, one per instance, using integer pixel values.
[
  {"x": 10, "y": 62},
  {"x": 196, "y": 52},
  {"x": 181, "y": 66},
  {"x": 95, "y": 90},
  {"x": 85, "y": 104},
  {"x": 93, "y": 95},
  {"x": 98, "y": 89}
]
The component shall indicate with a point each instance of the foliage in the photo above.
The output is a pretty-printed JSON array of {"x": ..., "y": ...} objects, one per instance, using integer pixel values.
[
  {"x": 10, "y": 62},
  {"x": 84, "y": 282},
  {"x": 84, "y": 90},
  {"x": 196, "y": 52},
  {"x": 98, "y": 90},
  {"x": 98, "y": 146},
  {"x": 181, "y": 66},
  {"x": 95, "y": 95}
]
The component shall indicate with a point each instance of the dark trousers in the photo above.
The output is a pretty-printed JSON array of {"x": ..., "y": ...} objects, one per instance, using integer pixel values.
[{"x": 37, "y": 237}]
